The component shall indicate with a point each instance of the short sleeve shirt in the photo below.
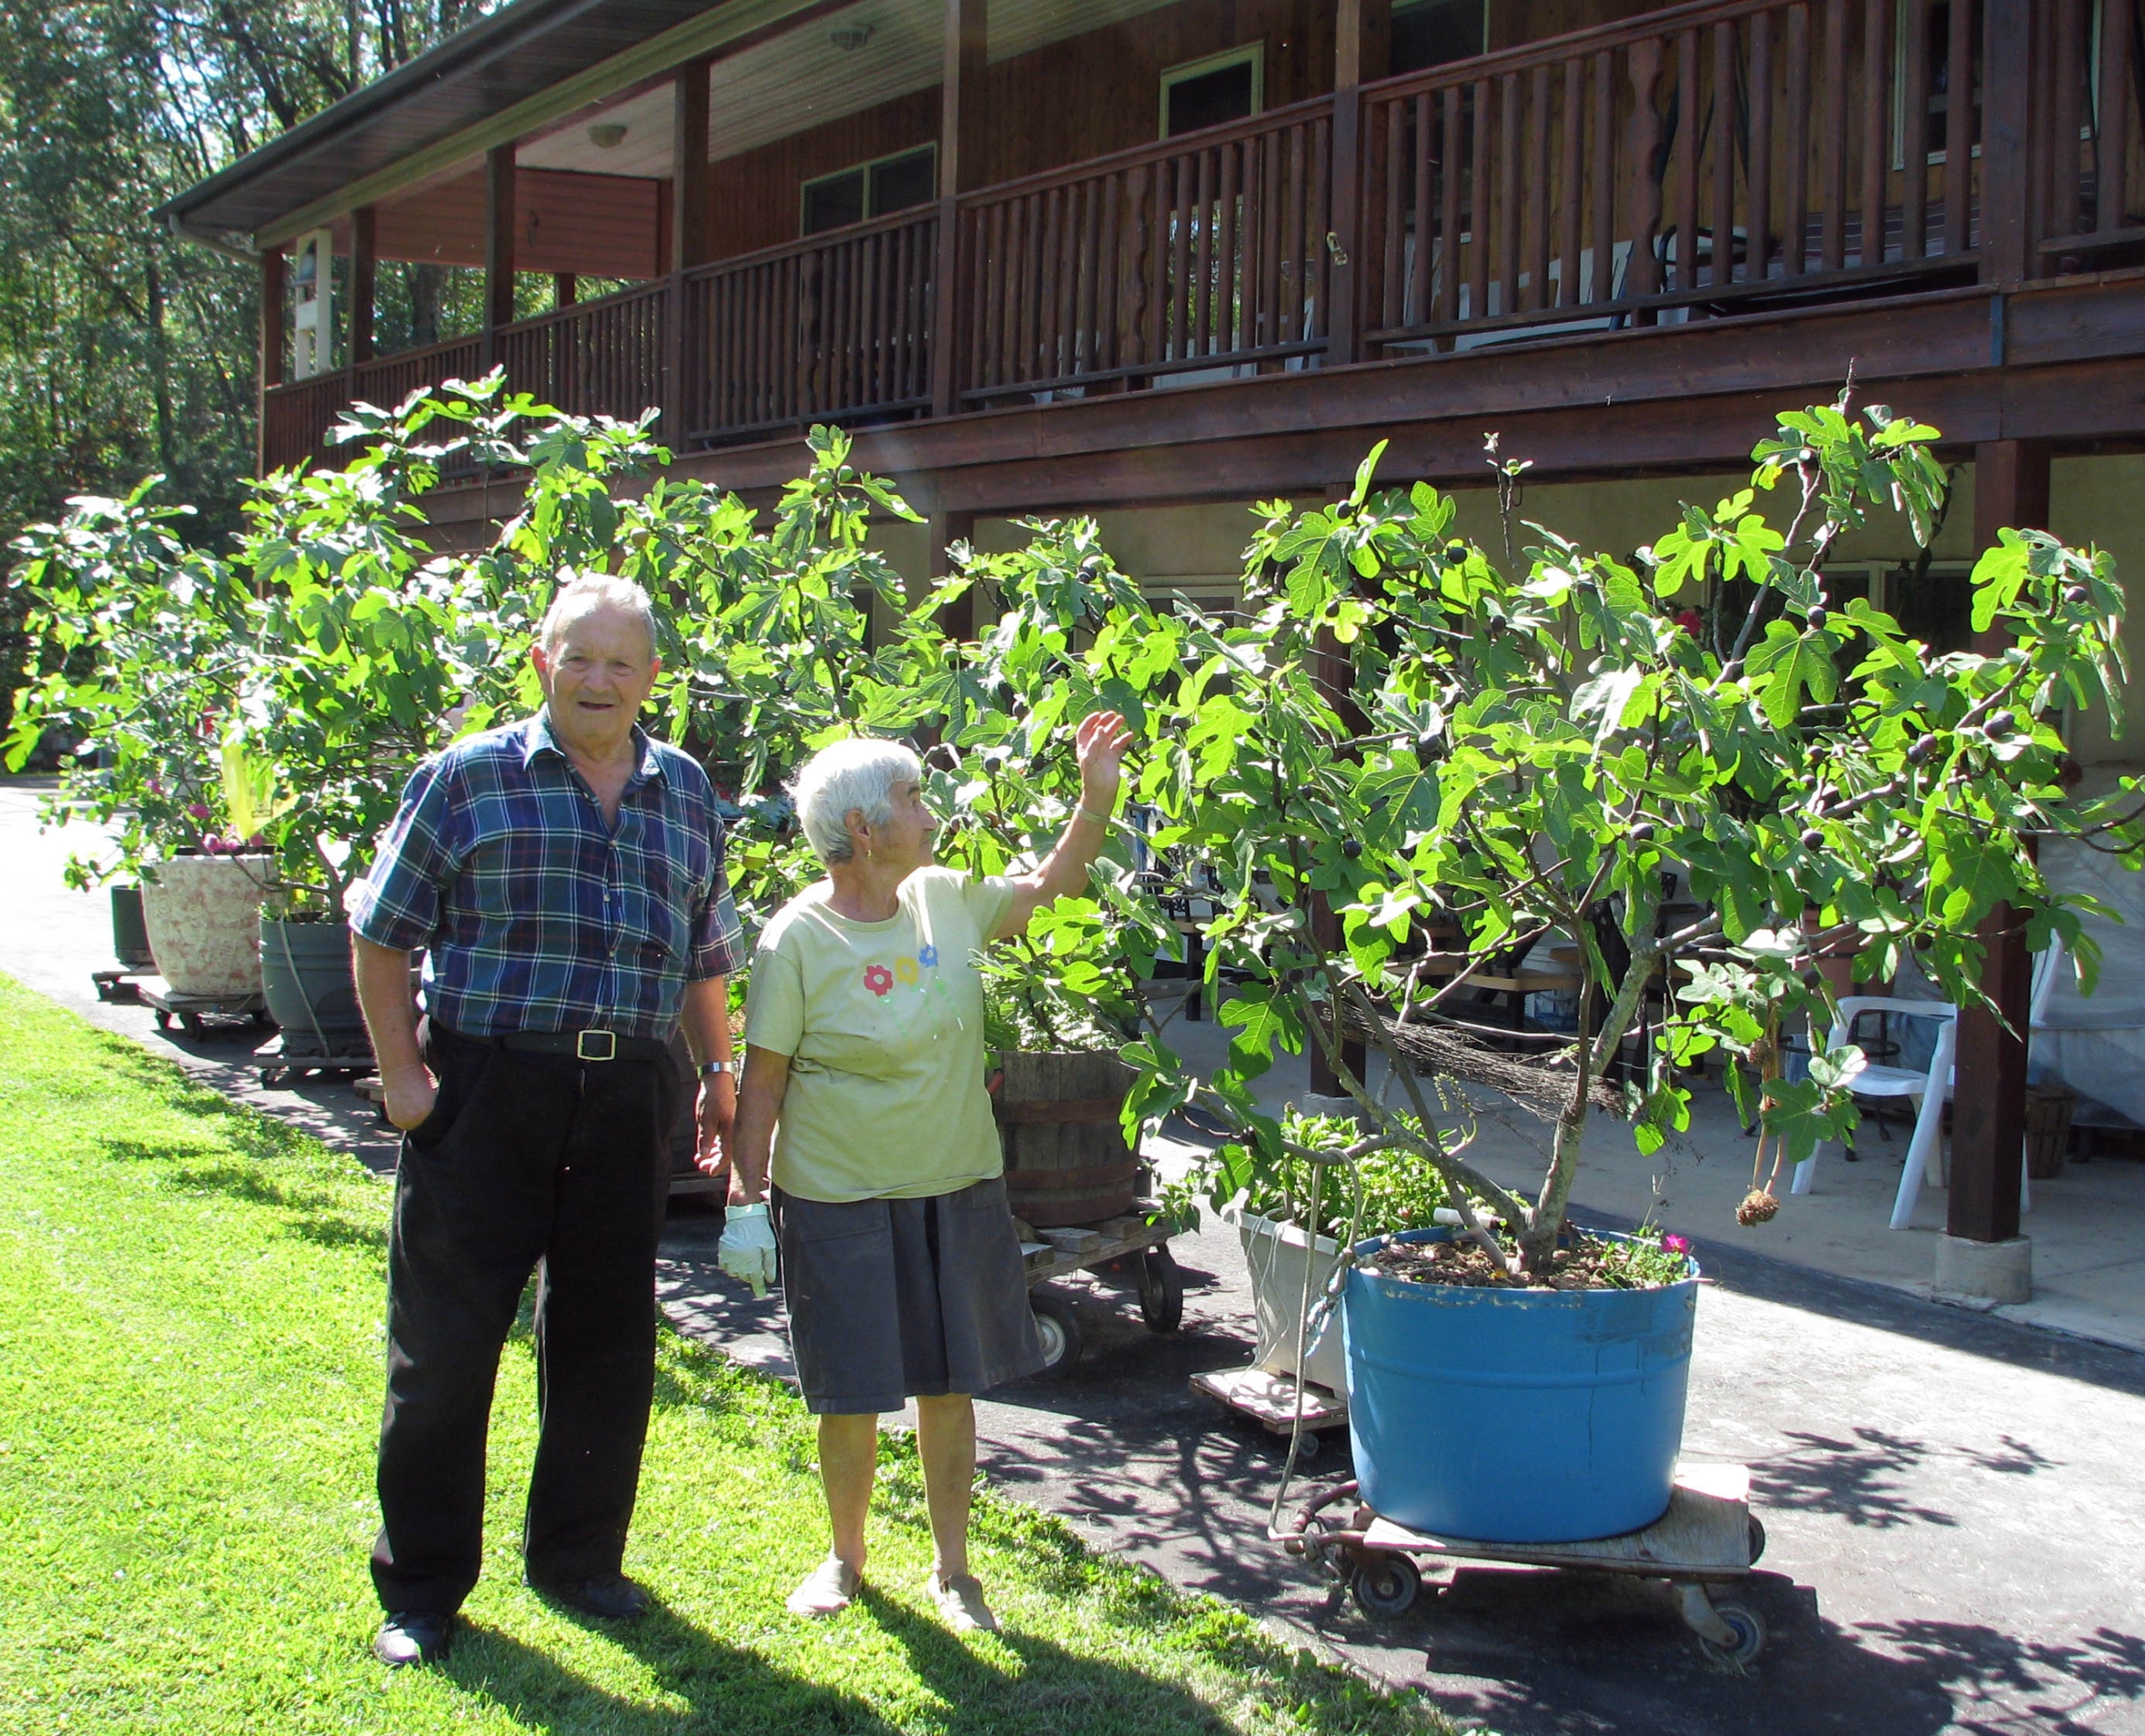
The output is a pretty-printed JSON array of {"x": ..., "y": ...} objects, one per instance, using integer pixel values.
[
  {"x": 534, "y": 912},
  {"x": 883, "y": 1025}
]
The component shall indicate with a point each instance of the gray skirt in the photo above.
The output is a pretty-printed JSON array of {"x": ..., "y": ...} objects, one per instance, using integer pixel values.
[{"x": 894, "y": 1299}]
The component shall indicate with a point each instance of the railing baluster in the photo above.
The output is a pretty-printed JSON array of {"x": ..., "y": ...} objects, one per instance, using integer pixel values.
[
  {"x": 1914, "y": 124},
  {"x": 1832, "y": 139},
  {"x": 1510, "y": 195},
  {"x": 1795, "y": 221},
  {"x": 1689, "y": 121},
  {"x": 2112, "y": 141},
  {"x": 1392, "y": 241},
  {"x": 1959, "y": 129},
  {"x": 1538, "y": 191},
  {"x": 1572, "y": 188},
  {"x": 1876, "y": 124},
  {"x": 1416, "y": 306},
  {"x": 1643, "y": 272},
  {"x": 2065, "y": 180},
  {"x": 1478, "y": 215},
  {"x": 1758, "y": 220},
  {"x": 1726, "y": 115},
  {"x": 1602, "y": 280}
]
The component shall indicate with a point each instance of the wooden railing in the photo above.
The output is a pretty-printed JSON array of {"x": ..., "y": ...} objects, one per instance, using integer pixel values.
[
  {"x": 600, "y": 358},
  {"x": 2090, "y": 183},
  {"x": 1697, "y": 157},
  {"x": 835, "y": 328},
  {"x": 1688, "y": 163},
  {"x": 1201, "y": 252}
]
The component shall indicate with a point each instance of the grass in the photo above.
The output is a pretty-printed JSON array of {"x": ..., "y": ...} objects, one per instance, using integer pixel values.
[{"x": 191, "y": 1301}]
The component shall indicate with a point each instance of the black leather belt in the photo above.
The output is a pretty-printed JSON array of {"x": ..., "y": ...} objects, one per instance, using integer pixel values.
[{"x": 583, "y": 1044}]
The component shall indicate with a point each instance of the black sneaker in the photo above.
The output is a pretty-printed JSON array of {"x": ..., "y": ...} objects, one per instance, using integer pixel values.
[
  {"x": 607, "y": 1597},
  {"x": 407, "y": 1637}
]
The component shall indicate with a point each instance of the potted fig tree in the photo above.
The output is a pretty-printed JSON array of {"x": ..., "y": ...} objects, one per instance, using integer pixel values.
[{"x": 1399, "y": 727}]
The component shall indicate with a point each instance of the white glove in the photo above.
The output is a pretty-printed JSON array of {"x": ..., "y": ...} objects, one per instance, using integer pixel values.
[{"x": 747, "y": 1250}]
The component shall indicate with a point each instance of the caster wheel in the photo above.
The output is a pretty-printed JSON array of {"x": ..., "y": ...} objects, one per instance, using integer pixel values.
[
  {"x": 1161, "y": 1290},
  {"x": 1757, "y": 1538},
  {"x": 260, "y": 1016},
  {"x": 1749, "y": 1628},
  {"x": 191, "y": 1021},
  {"x": 1387, "y": 1586},
  {"x": 1308, "y": 1449},
  {"x": 1059, "y": 1331},
  {"x": 273, "y": 1077}
]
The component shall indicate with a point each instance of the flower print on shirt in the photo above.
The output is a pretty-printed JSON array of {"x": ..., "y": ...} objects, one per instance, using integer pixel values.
[
  {"x": 905, "y": 971},
  {"x": 879, "y": 979},
  {"x": 927, "y": 955}
]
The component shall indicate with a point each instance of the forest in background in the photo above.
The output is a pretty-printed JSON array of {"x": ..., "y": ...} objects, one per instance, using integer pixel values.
[{"x": 125, "y": 351}]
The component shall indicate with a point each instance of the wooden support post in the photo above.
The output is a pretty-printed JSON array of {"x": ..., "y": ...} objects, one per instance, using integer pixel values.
[
  {"x": 564, "y": 286},
  {"x": 963, "y": 121},
  {"x": 2007, "y": 132},
  {"x": 691, "y": 216},
  {"x": 498, "y": 246},
  {"x": 271, "y": 350},
  {"x": 1362, "y": 42},
  {"x": 690, "y": 229},
  {"x": 1988, "y": 1100},
  {"x": 958, "y": 618},
  {"x": 364, "y": 273}
]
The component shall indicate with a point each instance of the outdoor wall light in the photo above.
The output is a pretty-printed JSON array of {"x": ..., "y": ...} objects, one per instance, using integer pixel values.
[
  {"x": 850, "y": 37},
  {"x": 607, "y": 135}
]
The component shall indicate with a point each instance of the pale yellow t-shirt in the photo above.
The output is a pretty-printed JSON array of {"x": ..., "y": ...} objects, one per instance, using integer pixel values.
[{"x": 883, "y": 1025}]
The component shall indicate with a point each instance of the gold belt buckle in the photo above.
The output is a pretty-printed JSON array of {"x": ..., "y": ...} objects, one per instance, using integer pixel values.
[{"x": 609, "y": 1051}]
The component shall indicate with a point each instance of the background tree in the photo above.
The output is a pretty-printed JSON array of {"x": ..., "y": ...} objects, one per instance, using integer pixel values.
[{"x": 122, "y": 350}]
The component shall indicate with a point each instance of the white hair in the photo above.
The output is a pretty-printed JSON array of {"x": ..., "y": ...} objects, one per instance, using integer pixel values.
[
  {"x": 859, "y": 774},
  {"x": 585, "y": 593}
]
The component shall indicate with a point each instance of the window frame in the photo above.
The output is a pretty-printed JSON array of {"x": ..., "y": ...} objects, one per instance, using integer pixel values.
[
  {"x": 865, "y": 169},
  {"x": 1253, "y": 53}
]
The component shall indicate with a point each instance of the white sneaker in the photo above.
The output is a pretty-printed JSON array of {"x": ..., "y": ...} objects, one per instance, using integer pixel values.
[
  {"x": 827, "y": 1590},
  {"x": 960, "y": 1603}
]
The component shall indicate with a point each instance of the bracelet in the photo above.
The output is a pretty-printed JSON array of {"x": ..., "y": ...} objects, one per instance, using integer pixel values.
[{"x": 1088, "y": 813}]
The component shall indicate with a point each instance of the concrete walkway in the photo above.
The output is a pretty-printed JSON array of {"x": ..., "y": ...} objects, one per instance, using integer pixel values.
[{"x": 1953, "y": 1499}]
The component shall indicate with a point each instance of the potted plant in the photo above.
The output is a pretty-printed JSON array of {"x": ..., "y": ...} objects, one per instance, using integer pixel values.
[
  {"x": 1291, "y": 1213},
  {"x": 149, "y": 670}
]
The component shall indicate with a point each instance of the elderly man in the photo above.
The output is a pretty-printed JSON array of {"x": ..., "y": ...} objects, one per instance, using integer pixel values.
[{"x": 564, "y": 876}]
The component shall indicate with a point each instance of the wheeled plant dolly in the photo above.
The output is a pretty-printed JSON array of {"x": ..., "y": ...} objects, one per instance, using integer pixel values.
[
  {"x": 1091, "y": 1248},
  {"x": 1706, "y": 1543}
]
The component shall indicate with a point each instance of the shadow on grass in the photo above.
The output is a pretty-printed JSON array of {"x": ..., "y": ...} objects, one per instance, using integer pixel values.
[
  {"x": 1050, "y": 1689},
  {"x": 722, "y": 1688},
  {"x": 312, "y": 1213}
]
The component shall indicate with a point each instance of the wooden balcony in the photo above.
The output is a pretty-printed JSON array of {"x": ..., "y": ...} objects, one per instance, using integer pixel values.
[{"x": 1714, "y": 159}]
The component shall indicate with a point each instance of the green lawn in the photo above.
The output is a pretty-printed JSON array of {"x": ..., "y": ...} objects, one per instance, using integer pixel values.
[{"x": 190, "y": 1322}]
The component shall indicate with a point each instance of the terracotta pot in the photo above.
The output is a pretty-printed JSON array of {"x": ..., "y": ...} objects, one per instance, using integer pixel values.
[{"x": 203, "y": 918}]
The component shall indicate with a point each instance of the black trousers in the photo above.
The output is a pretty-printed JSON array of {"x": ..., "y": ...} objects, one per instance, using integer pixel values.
[{"x": 528, "y": 1161}]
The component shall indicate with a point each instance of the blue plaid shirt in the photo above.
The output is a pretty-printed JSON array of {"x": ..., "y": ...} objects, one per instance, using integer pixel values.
[{"x": 533, "y": 915}]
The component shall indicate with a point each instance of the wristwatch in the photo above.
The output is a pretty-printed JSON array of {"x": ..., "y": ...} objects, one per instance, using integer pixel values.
[{"x": 717, "y": 1066}]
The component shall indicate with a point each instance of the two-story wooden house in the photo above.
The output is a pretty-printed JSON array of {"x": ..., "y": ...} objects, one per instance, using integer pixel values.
[{"x": 1157, "y": 259}]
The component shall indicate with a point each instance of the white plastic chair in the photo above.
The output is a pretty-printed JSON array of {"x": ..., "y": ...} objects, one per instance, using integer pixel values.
[
  {"x": 1930, "y": 1090},
  {"x": 1927, "y": 1089}
]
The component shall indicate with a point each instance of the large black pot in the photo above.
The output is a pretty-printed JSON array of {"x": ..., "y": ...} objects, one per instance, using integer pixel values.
[
  {"x": 305, "y": 972},
  {"x": 130, "y": 933}
]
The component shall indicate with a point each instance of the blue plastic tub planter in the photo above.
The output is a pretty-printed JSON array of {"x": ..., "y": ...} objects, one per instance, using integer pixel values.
[{"x": 1515, "y": 1416}]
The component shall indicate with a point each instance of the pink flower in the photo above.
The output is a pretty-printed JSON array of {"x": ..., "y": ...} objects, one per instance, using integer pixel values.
[
  {"x": 197, "y": 810},
  {"x": 878, "y": 979},
  {"x": 1676, "y": 1244}
]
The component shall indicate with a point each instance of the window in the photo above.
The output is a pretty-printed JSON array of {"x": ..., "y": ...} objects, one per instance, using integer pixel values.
[
  {"x": 1224, "y": 87},
  {"x": 1435, "y": 32},
  {"x": 877, "y": 189}
]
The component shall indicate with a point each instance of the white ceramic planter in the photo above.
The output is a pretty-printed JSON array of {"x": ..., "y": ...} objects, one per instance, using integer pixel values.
[
  {"x": 1276, "y": 1253},
  {"x": 203, "y": 918}
]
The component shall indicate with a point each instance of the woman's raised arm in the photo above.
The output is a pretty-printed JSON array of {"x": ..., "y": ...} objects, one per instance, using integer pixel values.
[{"x": 1100, "y": 744}]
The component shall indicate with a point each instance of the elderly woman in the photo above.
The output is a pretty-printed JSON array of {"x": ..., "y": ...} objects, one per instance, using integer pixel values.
[{"x": 864, "y": 1083}]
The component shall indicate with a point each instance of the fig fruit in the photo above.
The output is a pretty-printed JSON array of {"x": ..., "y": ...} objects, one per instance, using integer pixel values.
[
  {"x": 1999, "y": 726},
  {"x": 1352, "y": 848},
  {"x": 1921, "y": 750},
  {"x": 1813, "y": 840}
]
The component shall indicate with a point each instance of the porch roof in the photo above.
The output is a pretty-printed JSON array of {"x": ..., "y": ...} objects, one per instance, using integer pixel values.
[{"x": 529, "y": 61}]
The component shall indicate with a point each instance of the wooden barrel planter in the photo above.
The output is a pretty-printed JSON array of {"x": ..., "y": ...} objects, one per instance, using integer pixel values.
[{"x": 1065, "y": 1159}]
